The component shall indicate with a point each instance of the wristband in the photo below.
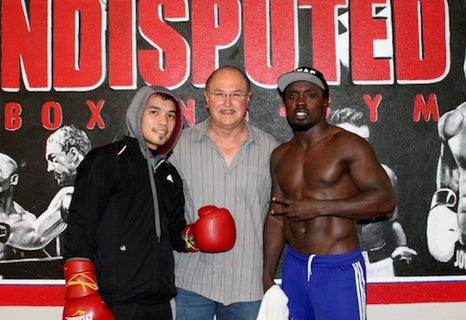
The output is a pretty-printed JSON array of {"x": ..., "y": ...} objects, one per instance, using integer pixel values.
[{"x": 4, "y": 232}]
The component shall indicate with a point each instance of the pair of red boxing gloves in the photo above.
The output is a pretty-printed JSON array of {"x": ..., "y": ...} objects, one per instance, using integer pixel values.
[{"x": 214, "y": 231}]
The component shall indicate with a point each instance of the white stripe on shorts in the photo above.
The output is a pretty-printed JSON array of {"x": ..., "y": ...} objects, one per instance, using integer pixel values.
[{"x": 360, "y": 283}]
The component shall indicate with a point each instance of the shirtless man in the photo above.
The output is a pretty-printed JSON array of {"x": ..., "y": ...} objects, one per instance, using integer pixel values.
[
  {"x": 323, "y": 180},
  {"x": 446, "y": 222},
  {"x": 11, "y": 213}
]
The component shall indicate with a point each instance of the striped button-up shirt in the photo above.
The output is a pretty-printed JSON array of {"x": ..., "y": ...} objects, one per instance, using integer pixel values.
[{"x": 243, "y": 187}]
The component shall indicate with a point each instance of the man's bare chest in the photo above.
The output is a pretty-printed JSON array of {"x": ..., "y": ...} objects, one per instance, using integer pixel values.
[{"x": 309, "y": 170}]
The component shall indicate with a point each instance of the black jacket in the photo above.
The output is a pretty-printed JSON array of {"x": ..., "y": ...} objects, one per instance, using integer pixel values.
[
  {"x": 112, "y": 221},
  {"x": 127, "y": 211}
]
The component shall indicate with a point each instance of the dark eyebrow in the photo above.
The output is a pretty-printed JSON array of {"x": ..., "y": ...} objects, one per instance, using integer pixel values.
[
  {"x": 160, "y": 108},
  {"x": 153, "y": 106}
]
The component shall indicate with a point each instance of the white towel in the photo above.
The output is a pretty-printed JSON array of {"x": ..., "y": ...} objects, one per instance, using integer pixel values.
[{"x": 274, "y": 305}]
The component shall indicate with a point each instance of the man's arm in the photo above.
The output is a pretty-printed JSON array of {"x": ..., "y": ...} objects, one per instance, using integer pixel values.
[
  {"x": 449, "y": 125},
  {"x": 273, "y": 246},
  {"x": 375, "y": 196},
  {"x": 26, "y": 235},
  {"x": 402, "y": 251},
  {"x": 274, "y": 239},
  {"x": 94, "y": 184},
  {"x": 177, "y": 221},
  {"x": 369, "y": 194}
]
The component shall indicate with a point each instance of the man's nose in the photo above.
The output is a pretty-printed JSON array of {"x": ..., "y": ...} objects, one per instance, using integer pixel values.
[
  {"x": 301, "y": 99},
  {"x": 50, "y": 166},
  {"x": 162, "y": 119}
]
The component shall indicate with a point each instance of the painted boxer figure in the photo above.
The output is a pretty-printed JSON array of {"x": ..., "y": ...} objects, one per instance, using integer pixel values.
[{"x": 446, "y": 222}]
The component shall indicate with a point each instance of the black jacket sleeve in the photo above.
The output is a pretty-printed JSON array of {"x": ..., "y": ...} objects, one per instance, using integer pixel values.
[
  {"x": 177, "y": 221},
  {"x": 93, "y": 187}
]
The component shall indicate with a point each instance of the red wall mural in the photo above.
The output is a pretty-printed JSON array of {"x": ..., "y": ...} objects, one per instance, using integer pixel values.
[{"x": 70, "y": 68}]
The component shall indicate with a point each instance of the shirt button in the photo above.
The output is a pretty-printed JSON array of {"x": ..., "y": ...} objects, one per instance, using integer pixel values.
[{"x": 122, "y": 247}]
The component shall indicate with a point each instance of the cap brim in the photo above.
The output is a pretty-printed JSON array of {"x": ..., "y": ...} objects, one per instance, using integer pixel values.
[{"x": 290, "y": 77}]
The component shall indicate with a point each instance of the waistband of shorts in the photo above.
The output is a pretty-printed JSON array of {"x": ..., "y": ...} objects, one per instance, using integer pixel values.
[{"x": 331, "y": 259}]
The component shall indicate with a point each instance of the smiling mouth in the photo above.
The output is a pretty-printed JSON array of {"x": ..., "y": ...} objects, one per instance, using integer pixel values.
[
  {"x": 300, "y": 114},
  {"x": 227, "y": 111},
  {"x": 160, "y": 131}
]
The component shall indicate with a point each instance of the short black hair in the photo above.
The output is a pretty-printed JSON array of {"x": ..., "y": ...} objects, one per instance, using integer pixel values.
[{"x": 166, "y": 96}]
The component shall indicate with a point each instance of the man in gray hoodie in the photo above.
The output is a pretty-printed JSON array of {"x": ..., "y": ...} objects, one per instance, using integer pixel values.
[{"x": 126, "y": 217}]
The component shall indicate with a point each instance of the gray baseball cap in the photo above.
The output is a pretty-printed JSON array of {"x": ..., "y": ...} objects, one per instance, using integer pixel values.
[{"x": 303, "y": 74}]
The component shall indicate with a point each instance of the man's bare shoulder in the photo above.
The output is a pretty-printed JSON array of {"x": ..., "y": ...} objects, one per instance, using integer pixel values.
[
  {"x": 348, "y": 146},
  {"x": 347, "y": 139},
  {"x": 452, "y": 122},
  {"x": 280, "y": 150},
  {"x": 340, "y": 133}
]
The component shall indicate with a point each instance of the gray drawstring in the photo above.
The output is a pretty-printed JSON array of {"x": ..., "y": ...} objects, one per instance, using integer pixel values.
[{"x": 154, "y": 197}]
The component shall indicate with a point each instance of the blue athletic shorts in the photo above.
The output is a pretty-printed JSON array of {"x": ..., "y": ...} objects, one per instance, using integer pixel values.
[{"x": 330, "y": 287}]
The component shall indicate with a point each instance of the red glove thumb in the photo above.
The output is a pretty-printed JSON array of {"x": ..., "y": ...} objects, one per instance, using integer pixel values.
[{"x": 206, "y": 210}]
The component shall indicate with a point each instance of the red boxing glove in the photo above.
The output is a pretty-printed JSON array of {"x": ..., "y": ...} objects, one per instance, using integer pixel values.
[
  {"x": 82, "y": 299},
  {"x": 214, "y": 231}
]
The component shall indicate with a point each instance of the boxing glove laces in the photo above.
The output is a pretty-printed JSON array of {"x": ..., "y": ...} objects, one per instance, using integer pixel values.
[{"x": 82, "y": 298}]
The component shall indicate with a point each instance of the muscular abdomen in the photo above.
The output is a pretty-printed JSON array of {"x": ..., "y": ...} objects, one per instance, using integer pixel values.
[{"x": 322, "y": 235}]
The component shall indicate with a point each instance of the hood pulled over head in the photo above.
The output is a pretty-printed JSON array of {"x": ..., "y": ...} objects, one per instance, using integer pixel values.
[{"x": 134, "y": 114}]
